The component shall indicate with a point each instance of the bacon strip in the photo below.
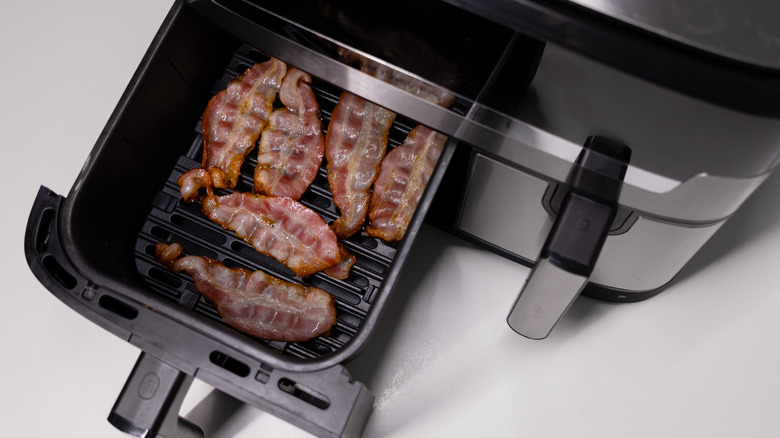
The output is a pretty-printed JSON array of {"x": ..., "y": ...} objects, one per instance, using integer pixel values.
[
  {"x": 402, "y": 179},
  {"x": 292, "y": 146},
  {"x": 254, "y": 302},
  {"x": 354, "y": 147},
  {"x": 232, "y": 123},
  {"x": 282, "y": 228}
]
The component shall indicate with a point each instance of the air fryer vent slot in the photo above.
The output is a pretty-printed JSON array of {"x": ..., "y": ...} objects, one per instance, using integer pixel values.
[
  {"x": 234, "y": 366},
  {"x": 304, "y": 393},
  {"x": 118, "y": 307},
  {"x": 59, "y": 273}
]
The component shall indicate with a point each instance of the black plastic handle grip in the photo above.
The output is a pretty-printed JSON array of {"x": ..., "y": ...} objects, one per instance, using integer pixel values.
[{"x": 150, "y": 401}]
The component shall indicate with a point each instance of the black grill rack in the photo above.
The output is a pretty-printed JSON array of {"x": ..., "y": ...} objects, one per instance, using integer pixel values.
[{"x": 172, "y": 220}]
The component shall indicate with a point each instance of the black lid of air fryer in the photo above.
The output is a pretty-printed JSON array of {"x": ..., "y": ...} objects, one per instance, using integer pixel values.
[{"x": 723, "y": 51}]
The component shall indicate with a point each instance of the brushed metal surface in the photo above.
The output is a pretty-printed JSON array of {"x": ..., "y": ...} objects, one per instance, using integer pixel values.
[
  {"x": 545, "y": 297},
  {"x": 649, "y": 255},
  {"x": 503, "y": 206}
]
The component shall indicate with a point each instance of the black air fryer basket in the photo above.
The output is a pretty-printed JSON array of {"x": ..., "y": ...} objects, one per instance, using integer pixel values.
[{"x": 93, "y": 249}]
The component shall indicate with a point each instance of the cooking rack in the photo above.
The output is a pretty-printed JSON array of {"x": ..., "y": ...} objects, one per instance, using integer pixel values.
[{"x": 172, "y": 220}]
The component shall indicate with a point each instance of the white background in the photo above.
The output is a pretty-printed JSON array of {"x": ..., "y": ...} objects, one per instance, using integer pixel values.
[{"x": 701, "y": 359}]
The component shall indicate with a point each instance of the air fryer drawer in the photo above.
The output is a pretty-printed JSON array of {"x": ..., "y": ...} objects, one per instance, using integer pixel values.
[{"x": 92, "y": 248}]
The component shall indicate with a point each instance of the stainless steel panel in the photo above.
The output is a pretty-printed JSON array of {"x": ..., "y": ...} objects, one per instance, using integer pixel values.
[
  {"x": 701, "y": 198},
  {"x": 649, "y": 255},
  {"x": 503, "y": 206}
]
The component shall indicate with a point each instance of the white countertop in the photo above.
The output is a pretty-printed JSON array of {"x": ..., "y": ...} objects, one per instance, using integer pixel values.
[{"x": 701, "y": 359}]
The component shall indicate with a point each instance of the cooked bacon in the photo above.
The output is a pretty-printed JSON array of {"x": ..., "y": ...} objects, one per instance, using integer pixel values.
[
  {"x": 282, "y": 228},
  {"x": 292, "y": 145},
  {"x": 354, "y": 147},
  {"x": 254, "y": 302},
  {"x": 340, "y": 270},
  {"x": 191, "y": 182},
  {"x": 401, "y": 182},
  {"x": 232, "y": 123}
]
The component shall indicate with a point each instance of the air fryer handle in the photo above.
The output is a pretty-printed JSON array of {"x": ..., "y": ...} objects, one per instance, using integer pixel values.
[
  {"x": 575, "y": 240},
  {"x": 149, "y": 404},
  {"x": 562, "y": 272}
]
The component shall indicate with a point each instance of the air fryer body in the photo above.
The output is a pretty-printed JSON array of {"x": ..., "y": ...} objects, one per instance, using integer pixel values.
[
  {"x": 692, "y": 165},
  {"x": 695, "y": 111}
]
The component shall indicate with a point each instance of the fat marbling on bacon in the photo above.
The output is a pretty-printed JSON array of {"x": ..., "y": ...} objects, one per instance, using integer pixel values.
[
  {"x": 232, "y": 123},
  {"x": 254, "y": 302},
  {"x": 402, "y": 179},
  {"x": 282, "y": 228},
  {"x": 292, "y": 145},
  {"x": 355, "y": 144}
]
